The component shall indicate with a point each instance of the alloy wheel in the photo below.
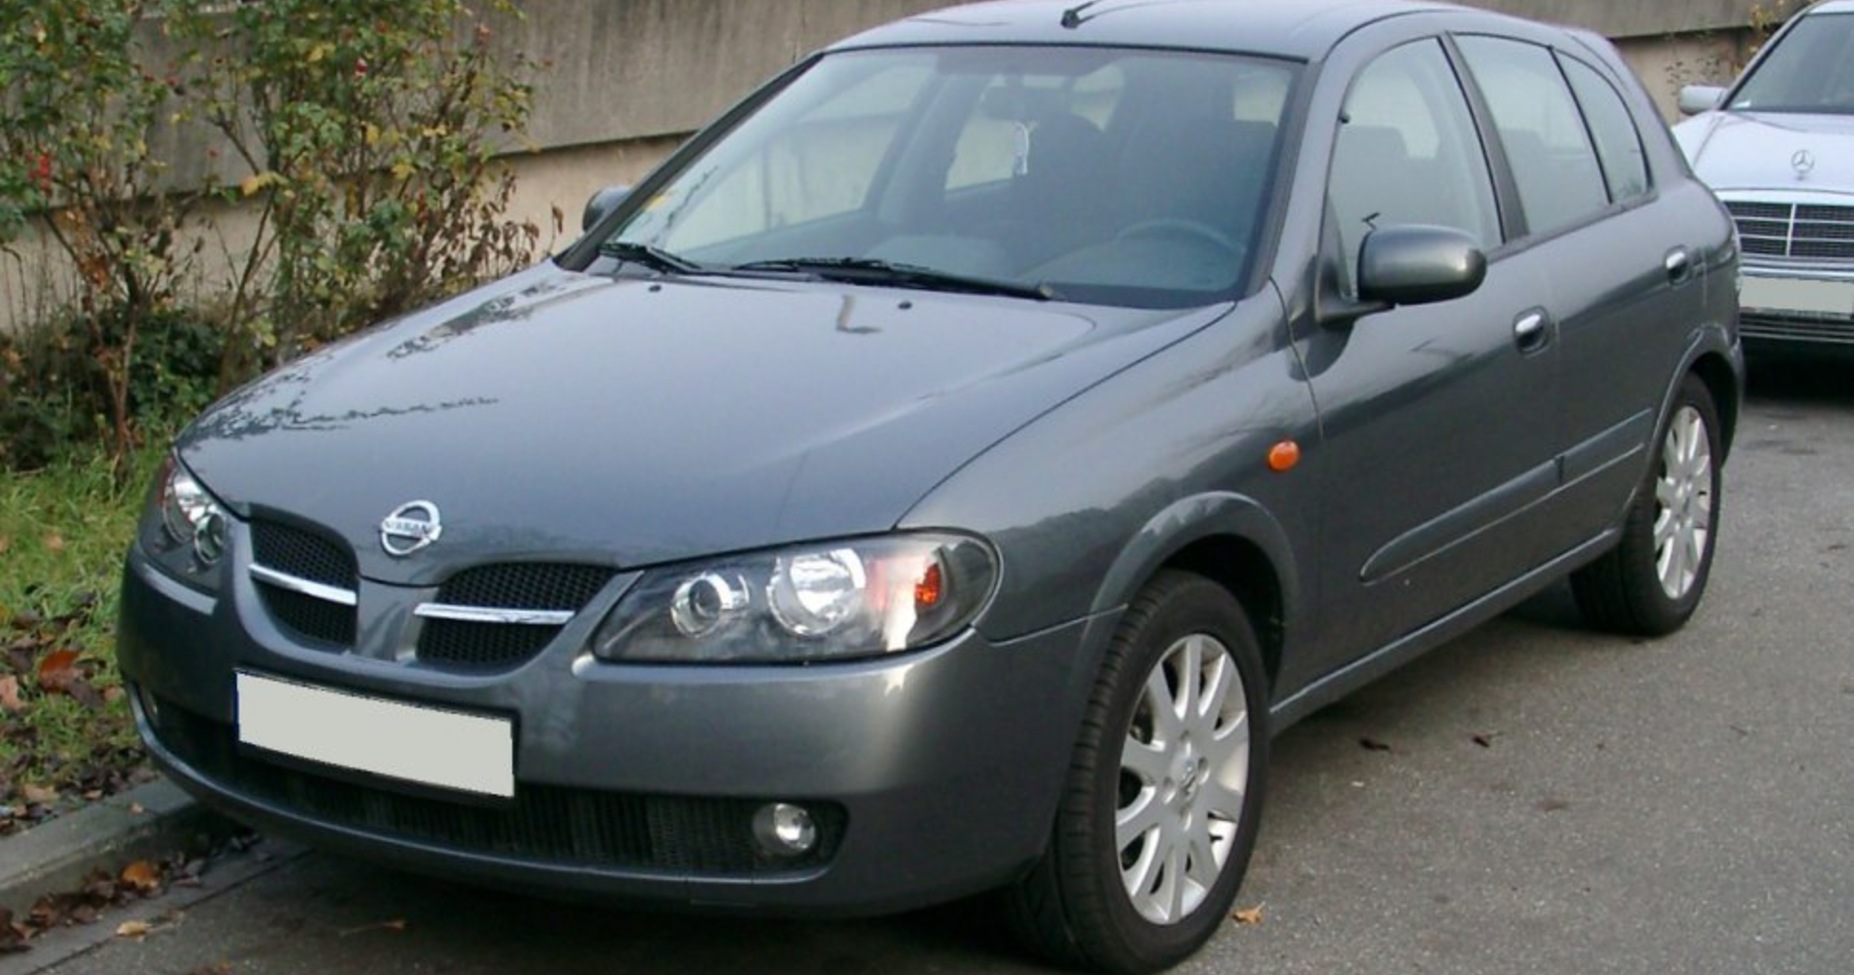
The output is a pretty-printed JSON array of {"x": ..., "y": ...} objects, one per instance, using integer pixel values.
[
  {"x": 1183, "y": 775},
  {"x": 1683, "y": 519}
]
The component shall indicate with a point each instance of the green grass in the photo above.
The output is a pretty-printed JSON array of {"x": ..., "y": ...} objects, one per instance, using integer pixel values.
[{"x": 63, "y": 532}]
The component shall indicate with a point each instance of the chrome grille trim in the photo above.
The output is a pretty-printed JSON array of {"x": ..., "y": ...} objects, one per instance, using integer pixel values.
[
  {"x": 485, "y": 614},
  {"x": 1803, "y": 232},
  {"x": 305, "y": 587}
]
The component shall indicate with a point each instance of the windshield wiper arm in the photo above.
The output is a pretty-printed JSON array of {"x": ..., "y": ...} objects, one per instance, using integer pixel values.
[
  {"x": 867, "y": 270},
  {"x": 651, "y": 256}
]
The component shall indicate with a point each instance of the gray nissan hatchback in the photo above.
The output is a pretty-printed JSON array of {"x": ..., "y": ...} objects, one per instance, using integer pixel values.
[{"x": 948, "y": 470}]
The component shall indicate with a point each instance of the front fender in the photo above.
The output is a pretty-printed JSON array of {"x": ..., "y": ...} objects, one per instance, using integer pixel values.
[{"x": 1200, "y": 518}]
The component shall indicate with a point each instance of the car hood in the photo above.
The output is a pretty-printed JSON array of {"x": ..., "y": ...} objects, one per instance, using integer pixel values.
[
  {"x": 629, "y": 421},
  {"x": 1755, "y": 151}
]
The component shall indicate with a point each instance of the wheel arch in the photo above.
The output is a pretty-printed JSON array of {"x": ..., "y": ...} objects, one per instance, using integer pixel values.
[
  {"x": 1232, "y": 541},
  {"x": 1724, "y": 384}
]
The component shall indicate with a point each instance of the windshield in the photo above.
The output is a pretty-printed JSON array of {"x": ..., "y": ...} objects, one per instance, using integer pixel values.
[
  {"x": 1086, "y": 174},
  {"x": 1810, "y": 70}
]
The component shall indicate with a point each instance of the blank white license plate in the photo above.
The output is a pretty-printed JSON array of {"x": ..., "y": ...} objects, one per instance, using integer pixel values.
[
  {"x": 403, "y": 741},
  {"x": 1789, "y": 294}
]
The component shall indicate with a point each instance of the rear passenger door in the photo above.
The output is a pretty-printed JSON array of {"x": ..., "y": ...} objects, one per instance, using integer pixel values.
[{"x": 1624, "y": 287}]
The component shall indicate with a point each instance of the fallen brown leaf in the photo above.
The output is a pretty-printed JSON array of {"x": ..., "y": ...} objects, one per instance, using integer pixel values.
[
  {"x": 12, "y": 936},
  {"x": 83, "y": 693},
  {"x": 9, "y": 694},
  {"x": 133, "y": 929},
  {"x": 58, "y": 670},
  {"x": 38, "y": 795},
  {"x": 141, "y": 876},
  {"x": 1249, "y": 915},
  {"x": 54, "y": 542}
]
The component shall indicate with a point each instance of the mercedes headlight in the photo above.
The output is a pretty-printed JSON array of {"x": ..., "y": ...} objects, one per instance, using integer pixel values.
[
  {"x": 829, "y": 601},
  {"x": 184, "y": 528}
]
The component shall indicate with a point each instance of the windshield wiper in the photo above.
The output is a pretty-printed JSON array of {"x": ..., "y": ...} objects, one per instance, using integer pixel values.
[
  {"x": 867, "y": 270},
  {"x": 651, "y": 256}
]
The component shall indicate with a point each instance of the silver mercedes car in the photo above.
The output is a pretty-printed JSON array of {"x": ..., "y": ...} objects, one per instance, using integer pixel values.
[
  {"x": 1778, "y": 148},
  {"x": 948, "y": 471}
]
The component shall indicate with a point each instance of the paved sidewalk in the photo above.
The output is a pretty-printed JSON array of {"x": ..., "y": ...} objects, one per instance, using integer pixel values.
[{"x": 147, "y": 821}]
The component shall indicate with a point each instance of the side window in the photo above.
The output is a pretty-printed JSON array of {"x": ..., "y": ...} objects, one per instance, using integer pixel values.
[
  {"x": 1618, "y": 145},
  {"x": 1408, "y": 152},
  {"x": 1546, "y": 143}
]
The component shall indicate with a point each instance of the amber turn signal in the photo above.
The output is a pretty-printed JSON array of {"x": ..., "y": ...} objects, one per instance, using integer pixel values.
[{"x": 1284, "y": 456}]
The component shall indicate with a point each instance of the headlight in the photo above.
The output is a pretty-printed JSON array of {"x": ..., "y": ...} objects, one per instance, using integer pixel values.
[
  {"x": 832, "y": 601},
  {"x": 183, "y": 527}
]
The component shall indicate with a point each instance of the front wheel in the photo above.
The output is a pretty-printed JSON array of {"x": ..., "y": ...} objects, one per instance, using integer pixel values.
[
  {"x": 1164, "y": 791},
  {"x": 1651, "y": 583}
]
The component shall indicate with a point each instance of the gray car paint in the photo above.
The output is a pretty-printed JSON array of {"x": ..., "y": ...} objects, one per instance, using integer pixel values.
[
  {"x": 1091, "y": 446},
  {"x": 778, "y": 427}
]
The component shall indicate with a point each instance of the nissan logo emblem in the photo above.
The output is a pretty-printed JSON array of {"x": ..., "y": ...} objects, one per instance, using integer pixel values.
[{"x": 410, "y": 527}]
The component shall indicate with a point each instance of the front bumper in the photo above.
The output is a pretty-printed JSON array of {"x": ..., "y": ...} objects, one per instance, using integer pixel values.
[
  {"x": 1797, "y": 275},
  {"x": 1797, "y": 308},
  {"x": 933, "y": 775}
]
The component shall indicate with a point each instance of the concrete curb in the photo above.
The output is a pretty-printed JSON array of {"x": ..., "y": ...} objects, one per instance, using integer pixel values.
[{"x": 148, "y": 821}]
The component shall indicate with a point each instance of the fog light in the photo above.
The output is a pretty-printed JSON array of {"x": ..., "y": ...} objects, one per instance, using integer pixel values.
[
  {"x": 785, "y": 830},
  {"x": 151, "y": 706},
  {"x": 209, "y": 538}
]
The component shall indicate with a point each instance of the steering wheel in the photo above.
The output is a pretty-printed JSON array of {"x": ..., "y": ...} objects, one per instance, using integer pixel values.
[{"x": 1178, "y": 227}]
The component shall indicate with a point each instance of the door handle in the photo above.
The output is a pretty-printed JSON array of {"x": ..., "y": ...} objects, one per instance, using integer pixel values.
[
  {"x": 1679, "y": 264},
  {"x": 1532, "y": 331}
]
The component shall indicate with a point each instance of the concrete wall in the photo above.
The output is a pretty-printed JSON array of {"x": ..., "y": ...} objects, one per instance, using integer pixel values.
[
  {"x": 636, "y": 68},
  {"x": 635, "y": 76},
  {"x": 626, "y": 80}
]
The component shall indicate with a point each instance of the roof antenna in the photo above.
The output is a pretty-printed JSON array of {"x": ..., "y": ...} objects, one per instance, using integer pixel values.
[{"x": 1072, "y": 17}]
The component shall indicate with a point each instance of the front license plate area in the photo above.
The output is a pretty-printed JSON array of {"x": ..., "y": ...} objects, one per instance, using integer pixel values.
[
  {"x": 1794, "y": 295},
  {"x": 410, "y": 742}
]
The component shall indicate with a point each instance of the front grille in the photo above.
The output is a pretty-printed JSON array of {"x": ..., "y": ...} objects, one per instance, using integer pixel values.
[
  {"x": 480, "y": 646},
  {"x": 521, "y": 585},
  {"x": 308, "y": 618},
  {"x": 1821, "y": 330},
  {"x": 461, "y": 645},
  {"x": 1799, "y": 232},
  {"x": 305, "y": 555},
  {"x": 542, "y": 825}
]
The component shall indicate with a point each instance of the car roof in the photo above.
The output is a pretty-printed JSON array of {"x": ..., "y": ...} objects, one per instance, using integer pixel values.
[
  {"x": 1302, "y": 29},
  {"x": 1832, "y": 7}
]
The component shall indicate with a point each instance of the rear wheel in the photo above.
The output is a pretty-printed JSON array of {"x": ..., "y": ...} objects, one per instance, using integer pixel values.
[
  {"x": 1652, "y": 581},
  {"x": 1164, "y": 792}
]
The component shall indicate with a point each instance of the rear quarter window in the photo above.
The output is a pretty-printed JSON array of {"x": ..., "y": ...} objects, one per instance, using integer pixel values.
[
  {"x": 1547, "y": 145},
  {"x": 1618, "y": 143}
]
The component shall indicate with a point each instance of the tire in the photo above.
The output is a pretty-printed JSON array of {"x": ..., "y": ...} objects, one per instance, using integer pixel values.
[
  {"x": 1110, "y": 898},
  {"x": 1652, "y": 581}
]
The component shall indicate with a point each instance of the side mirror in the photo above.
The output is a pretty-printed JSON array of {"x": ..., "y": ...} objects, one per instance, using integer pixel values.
[
  {"x": 602, "y": 204},
  {"x": 1417, "y": 265},
  {"x": 1695, "y": 99}
]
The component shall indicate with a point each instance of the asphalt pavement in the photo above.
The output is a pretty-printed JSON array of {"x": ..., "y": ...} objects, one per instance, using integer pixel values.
[{"x": 1533, "y": 798}]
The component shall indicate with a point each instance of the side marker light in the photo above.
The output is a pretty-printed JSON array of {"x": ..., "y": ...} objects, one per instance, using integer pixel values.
[{"x": 1284, "y": 456}]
